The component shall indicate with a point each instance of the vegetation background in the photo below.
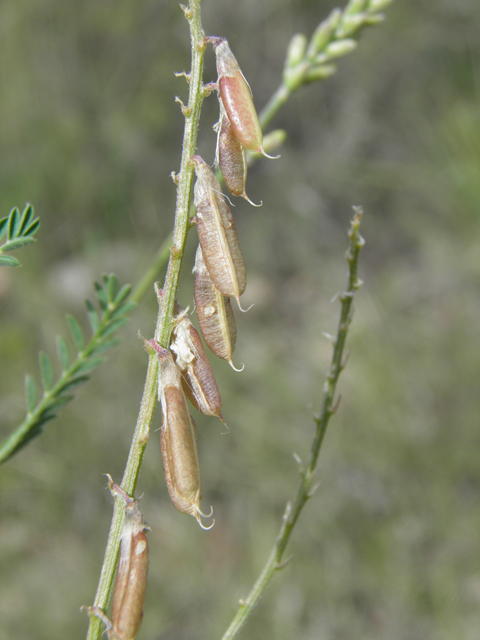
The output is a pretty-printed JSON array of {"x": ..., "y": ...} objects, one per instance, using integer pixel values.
[{"x": 389, "y": 547}]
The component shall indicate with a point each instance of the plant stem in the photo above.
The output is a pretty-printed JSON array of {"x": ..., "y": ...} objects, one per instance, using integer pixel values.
[
  {"x": 276, "y": 102},
  {"x": 165, "y": 316},
  {"x": 33, "y": 419},
  {"x": 328, "y": 408},
  {"x": 151, "y": 274}
]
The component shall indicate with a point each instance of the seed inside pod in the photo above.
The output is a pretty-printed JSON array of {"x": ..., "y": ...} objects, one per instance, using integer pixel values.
[
  {"x": 178, "y": 440},
  {"x": 231, "y": 158},
  {"x": 237, "y": 97},
  {"x": 198, "y": 379},
  {"x": 214, "y": 313},
  {"x": 217, "y": 234}
]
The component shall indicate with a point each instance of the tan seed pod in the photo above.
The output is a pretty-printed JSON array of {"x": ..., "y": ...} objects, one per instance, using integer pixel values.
[
  {"x": 217, "y": 234},
  {"x": 237, "y": 97},
  {"x": 178, "y": 440},
  {"x": 131, "y": 581},
  {"x": 214, "y": 313},
  {"x": 198, "y": 379},
  {"x": 231, "y": 158},
  {"x": 132, "y": 570}
]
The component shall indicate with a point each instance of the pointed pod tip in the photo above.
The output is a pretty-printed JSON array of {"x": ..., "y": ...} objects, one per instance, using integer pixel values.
[
  {"x": 244, "y": 195},
  {"x": 240, "y": 306},
  {"x": 264, "y": 153},
  {"x": 226, "y": 425},
  {"x": 234, "y": 367},
  {"x": 199, "y": 515}
]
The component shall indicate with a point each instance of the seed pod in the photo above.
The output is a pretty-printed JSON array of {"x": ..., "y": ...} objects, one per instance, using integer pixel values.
[
  {"x": 231, "y": 157},
  {"x": 217, "y": 234},
  {"x": 198, "y": 379},
  {"x": 237, "y": 97},
  {"x": 178, "y": 440},
  {"x": 131, "y": 582},
  {"x": 214, "y": 313}
]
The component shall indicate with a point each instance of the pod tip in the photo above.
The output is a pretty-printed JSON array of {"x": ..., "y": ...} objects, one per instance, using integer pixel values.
[
  {"x": 240, "y": 306},
  {"x": 234, "y": 367},
  {"x": 199, "y": 515},
  {"x": 244, "y": 195},
  {"x": 264, "y": 153}
]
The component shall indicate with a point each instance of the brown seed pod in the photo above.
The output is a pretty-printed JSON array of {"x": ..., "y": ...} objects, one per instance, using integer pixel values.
[
  {"x": 198, "y": 379},
  {"x": 237, "y": 97},
  {"x": 214, "y": 313},
  {"x": 131, "y": 581},
  {"x": 231, "y": 158},
  {"x": 178, "y": 440},
  {"x": 217, "y": 234}
]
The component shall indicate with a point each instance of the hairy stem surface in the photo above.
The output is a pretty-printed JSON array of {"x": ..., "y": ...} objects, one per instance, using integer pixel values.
[{"x": 165, "y": 316}]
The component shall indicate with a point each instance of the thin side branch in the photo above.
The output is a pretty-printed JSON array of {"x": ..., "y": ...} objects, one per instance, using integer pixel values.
[{"x": 328, "y": 408}]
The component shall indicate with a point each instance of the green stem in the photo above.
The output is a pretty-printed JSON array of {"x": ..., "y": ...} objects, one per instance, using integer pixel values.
[
  {"x": 165, "y": 316},
  {"x": 129, "y": 481},
  {"x": 10, "y": 445},
  {"x": 185, "y": 177},
  {"x": 151, "y": 274},
  {"x": 328, "y": 408},
  {"x": 276, "y": 102}
]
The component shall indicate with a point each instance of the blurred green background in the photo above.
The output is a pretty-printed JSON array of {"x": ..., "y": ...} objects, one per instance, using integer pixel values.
[{"x": 389, "y": 547}]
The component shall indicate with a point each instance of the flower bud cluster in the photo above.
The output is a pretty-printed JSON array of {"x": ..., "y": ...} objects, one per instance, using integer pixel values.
[{"x": 333, "y": 38}]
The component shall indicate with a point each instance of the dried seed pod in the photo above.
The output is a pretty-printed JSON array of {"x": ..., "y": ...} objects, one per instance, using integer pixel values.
[
  {"x": 198, "y": 379},
  {"x": 131, "y": 582},
  {"x": 178, "y": 440},
  {"x": 214, "y": 313},
  {"x": 217, "y": 234},
  {"x": 237, "y": 97},
  {"x": 231, "y": 158}
]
